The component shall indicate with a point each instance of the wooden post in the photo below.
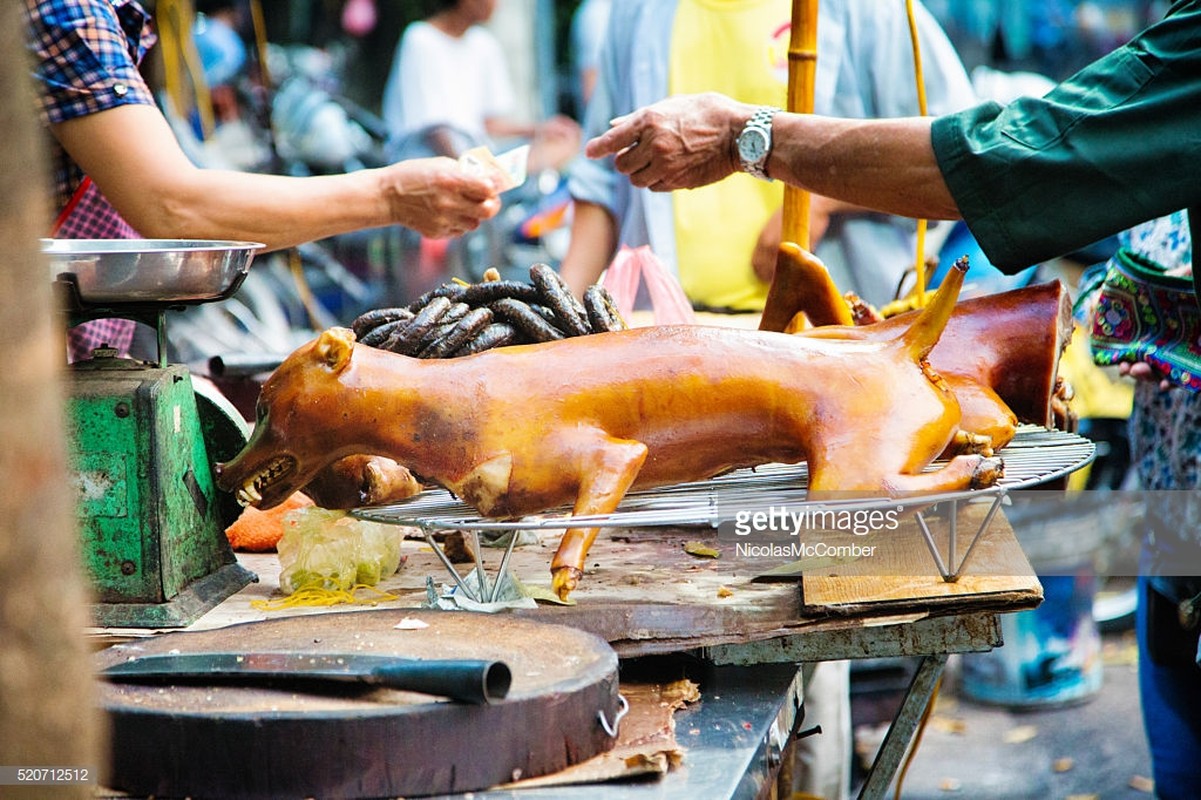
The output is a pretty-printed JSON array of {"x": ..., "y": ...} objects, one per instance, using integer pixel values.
[
  {"x": 802, "y": 71},
  {"x": 787, "y": 284},
  {"x": 47, "y": 699}
]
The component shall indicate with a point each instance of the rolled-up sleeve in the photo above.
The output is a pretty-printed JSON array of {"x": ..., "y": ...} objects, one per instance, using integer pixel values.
[
  {"x": 1114, "y": 145},
  {"x": 85, "y": 55}
]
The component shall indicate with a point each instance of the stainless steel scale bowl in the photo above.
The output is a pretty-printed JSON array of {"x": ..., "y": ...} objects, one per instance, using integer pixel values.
[
  {"x": 141, "y": 279},
  {"x": 122, "y": 272}
]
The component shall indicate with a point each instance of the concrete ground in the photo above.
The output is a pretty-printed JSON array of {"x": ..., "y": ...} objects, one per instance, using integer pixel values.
[{"x": 1093, "y": 749}]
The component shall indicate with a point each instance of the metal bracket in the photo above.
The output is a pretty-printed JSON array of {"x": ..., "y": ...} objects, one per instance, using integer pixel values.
[
  {"x": 482, "y": 592},
  {"x": 611, "y": 729},
  {"x": 900, "y": 733},
  {"x": 948, "y": 568}
]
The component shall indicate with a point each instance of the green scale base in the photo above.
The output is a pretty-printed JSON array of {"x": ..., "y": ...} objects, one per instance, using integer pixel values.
[{"x": 151, "y": 519}]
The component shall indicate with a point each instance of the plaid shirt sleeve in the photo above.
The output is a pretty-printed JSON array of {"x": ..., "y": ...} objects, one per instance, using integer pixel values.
[{"x": 85, "y": 56}]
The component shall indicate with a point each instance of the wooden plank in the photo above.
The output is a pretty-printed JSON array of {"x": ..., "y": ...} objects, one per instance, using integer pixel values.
[
  {"x": 903, "y": 575},
  {"x": 888, "y": 637}
]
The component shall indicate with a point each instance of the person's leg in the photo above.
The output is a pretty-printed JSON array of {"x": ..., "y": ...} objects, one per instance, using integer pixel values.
[
  {"x": 823, "y": 765},
  {"x": 1170, "y": 690}
]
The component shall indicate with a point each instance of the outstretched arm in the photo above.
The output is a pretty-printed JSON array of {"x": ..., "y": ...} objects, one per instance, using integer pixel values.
[
  {"x": 688, "y": 141},
  {"x": 593, "y": 239},
  {"x": 132, "y": 155}
]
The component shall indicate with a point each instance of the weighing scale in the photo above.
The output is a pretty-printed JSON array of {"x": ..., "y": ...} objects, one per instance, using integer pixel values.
[{"x": 142, "y": 438}]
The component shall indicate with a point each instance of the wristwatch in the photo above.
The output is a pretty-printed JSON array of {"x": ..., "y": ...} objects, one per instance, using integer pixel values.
[{"x": 754, "y": 143}]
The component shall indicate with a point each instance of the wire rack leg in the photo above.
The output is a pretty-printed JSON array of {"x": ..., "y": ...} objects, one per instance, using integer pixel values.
[
  {"x": 984, "y": 523},
  {"x": 950, "y": 569},
  {"x": 485, "y": 592},
  {"x": 502, "y": 574},
  {"x": 429, "y": 539}
]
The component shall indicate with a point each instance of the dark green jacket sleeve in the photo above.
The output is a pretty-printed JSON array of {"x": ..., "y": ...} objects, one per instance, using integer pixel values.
[{"x": 1116, "y": 144}]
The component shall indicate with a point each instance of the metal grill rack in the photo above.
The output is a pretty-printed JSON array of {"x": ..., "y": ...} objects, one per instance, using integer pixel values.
[{"x": 1035, "y": 456}]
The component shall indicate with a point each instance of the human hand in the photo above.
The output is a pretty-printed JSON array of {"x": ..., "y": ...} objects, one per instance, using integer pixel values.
[
  {"x": 438, "y": 198},
  {"x": 1142, "y": 371},
  {"x": 679, "y": 143},
  {"x": 767, "y": 247},
  {"x": 556, "y": 142},
  {"x": 560, "y": 128}
]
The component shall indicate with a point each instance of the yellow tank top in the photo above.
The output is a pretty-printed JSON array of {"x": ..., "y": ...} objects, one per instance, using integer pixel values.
[{"x": 738, "y": 48}]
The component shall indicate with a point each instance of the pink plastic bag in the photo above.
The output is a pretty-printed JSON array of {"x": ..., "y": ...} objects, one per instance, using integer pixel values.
[
  {"x": 631, "y": 266},
  {"x": 359, "y": 17}
]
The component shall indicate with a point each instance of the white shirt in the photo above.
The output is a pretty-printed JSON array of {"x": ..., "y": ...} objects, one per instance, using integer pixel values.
[{"x": 440, "y": 79}]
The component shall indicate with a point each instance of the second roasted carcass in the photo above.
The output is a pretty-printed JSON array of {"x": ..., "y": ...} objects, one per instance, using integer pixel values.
[{"x": 999, "y": 352}]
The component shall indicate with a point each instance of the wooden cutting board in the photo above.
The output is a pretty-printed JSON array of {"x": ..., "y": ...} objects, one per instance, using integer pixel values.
[{"x": 244, "y": 742}]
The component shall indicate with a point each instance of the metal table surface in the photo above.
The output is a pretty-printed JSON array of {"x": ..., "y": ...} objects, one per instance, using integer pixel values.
[{"x": 734, "y": 741}]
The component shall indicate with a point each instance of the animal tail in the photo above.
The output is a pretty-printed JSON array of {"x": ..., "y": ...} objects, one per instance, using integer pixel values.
[{"x": 919, "y": 339}]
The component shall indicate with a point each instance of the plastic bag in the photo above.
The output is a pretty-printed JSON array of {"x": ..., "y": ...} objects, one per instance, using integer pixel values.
[
  {"x": 332, "y": 550},
  {"x": 668, "y": 301}
]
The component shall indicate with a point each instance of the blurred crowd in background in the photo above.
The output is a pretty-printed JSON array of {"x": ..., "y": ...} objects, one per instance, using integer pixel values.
[{"x": 356, "y": 40}]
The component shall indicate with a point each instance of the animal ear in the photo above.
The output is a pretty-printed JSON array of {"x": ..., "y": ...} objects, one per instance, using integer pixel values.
[{"x": 335, "y": 347}]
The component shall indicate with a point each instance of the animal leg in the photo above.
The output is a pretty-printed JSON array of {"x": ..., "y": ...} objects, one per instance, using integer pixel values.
[
  {"x": 606, "y": 476},
  {"x": 966, "y": 443},
  {"x": 1064, "y": 416},
  {"x": 960, "y": 473},
  {"x": 361, "y": 480},
  {"x": 986, "y": 423},
  {"x": 802, "y": 284}
]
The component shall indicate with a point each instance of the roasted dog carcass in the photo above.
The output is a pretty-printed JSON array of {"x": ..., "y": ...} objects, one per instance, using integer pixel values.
[{"x": 519, "y": 430}]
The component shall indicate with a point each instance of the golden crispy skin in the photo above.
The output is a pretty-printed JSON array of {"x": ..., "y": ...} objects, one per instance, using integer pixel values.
[
  {"x": 1010, "y": 342},
  {"x": 803, "y": 281},
  {"x": 518, "y": 430}
]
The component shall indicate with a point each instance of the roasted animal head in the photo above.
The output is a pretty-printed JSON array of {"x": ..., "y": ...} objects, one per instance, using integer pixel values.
[{"x": 293, "y": 413}]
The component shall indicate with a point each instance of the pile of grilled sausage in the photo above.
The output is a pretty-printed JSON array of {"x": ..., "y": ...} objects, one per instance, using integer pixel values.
[{"x": 458, "y": 319}]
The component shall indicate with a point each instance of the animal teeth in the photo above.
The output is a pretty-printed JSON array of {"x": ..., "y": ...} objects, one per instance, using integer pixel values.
[{"x": 249, "y": 494}]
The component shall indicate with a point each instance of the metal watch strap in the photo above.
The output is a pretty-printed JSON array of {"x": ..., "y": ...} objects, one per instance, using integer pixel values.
[{"x": 761, "y": 120}]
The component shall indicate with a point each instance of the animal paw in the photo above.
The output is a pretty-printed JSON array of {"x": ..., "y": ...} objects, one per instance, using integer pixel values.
[
  {"x": 564, "y": 580},
  {"x": 987, "y": 472},
  {"x": 966, "y": 443},
  {"x": 1064, "y": 416}
]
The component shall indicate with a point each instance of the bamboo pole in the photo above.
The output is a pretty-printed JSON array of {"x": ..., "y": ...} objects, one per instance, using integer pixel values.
[
  {"x": 183, "y": 72},
  {"x": 789, "y": 281},
  {"x": 919, "y": 261},
  {"x": 794, "y": 277},
  {"x": 802, "y": 71}
]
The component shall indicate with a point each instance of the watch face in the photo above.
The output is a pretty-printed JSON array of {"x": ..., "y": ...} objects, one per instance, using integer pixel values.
[{"x": 752, "y": 146}]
